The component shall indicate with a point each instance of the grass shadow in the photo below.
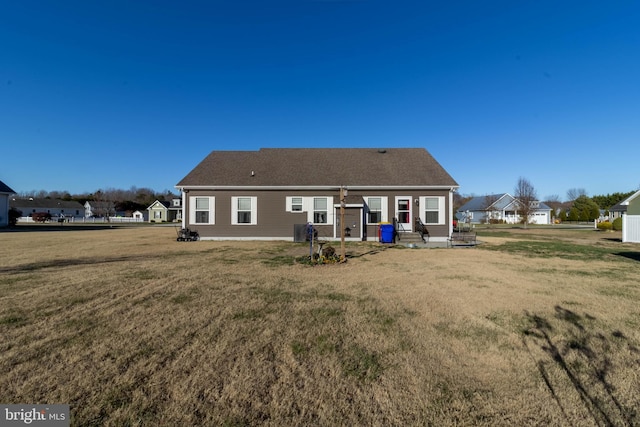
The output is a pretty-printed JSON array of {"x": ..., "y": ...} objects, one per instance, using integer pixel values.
[
  {"x": 576, "y": 353},
  {"x": 634, "y": 256}
]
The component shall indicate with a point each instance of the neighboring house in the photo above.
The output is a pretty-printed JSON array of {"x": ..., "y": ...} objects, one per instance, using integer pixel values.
[
  {"x": 55, "y": 207},
  {"x": 631, "y": 218},
  {"x": 274, "y": 193},
  {"x": 101, "y": 209},
  {"x": 501, "y": 207},
  {"x": 616, "y": 211},
  {"x": 165, "y": 211},
  {"x": 5, "y": 193}
]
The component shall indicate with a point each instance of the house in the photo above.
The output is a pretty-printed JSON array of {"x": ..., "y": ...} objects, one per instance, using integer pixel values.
[
  {"x": 503, "y": 208},
  {"x": 617, "y": 210},
  {"x": 5, "y": 193},
  {"x": 274, "y": 193},
  {"x": 93, "y": 208},
  {"x": 165, "y": 211},
  {"x": 55, "y": 207},
  {"x": 631, "y": 218}
]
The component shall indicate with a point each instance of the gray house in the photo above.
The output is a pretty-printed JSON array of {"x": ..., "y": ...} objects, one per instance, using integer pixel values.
[
  {"x": 55, "y": 207},
  {"x": 501, "y": 207},
  {"x": 5, "y": 193},
  {"x": 272, "y": 193}
]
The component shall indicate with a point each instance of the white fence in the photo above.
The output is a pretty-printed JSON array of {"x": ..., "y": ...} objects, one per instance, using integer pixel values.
[
  {"x": 83, "y": 220},
  {"x": 631, "y": 228}
]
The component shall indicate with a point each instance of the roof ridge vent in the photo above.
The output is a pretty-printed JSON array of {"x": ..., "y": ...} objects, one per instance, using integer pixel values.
[{"x": 381, "y": 150}]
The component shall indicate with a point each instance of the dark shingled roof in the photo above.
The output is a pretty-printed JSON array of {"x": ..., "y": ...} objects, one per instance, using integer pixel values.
[
  {"x": 319, "y": 167},
  {"x": 4, "y": 188},
  {"x": 46, "y": 204}
]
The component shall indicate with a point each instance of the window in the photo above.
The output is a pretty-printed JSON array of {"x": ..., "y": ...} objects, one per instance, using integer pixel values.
[
  {"x": 376, "y": 209},
  {"x": 244, "y": 210},
  {"x": 294, "y": 204},
  {"x": 320, "y": 212},
  {"x": 201, "y": 210},
  {"x": 157, "y": 215},
  {"x": 432, "y": 210}
]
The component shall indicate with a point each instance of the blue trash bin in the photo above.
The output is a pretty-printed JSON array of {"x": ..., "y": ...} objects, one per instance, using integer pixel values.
[{"x": 386, "y": 233}]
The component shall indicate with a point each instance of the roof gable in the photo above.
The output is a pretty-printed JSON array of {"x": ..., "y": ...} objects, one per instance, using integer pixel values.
[
  {"x": 319, "y": 167},
  {"x": 159, "y": 204},
  {"x": 4, "y": 188},
  {"x": 630, "y": 199},
  {"x": 482, "y": 203}
]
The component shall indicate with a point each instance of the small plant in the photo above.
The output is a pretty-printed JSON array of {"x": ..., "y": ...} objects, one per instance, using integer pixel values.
[{"x": 605, "y": 226}]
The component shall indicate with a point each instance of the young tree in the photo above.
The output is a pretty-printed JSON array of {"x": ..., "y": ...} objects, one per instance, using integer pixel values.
[
  {"x": 489, "y": 207},
  {"x": 587, "y": 209},
  {"x": 525, "y": 194}
]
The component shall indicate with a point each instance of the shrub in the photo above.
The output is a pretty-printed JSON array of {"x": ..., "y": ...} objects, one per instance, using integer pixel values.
[
  {"x": 605, "y": 225},
  {"x": 41, "y": 216},
  {"x": 617, "y": 224},
  {"x": 14, "y": 214}
]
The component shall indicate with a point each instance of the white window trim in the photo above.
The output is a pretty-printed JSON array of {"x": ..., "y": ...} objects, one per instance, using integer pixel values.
[
  {"x": 384, "y": 208},
  {"x": 307, "y": 205},
  {"x": 289, "y": 207},
  {"x": 192, "y": 210},
  {"x": 234, "y": 210},
  {"x": 441, "y": 210}
]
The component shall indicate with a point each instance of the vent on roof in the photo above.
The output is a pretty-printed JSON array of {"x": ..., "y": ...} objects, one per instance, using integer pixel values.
[{"x": 382, "y": 150}]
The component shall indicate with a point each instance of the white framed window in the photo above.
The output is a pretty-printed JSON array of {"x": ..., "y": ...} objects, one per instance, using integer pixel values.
[
  {"x": 320, "y": 210},
  {"x": 377, "y": 209},
  {"x": 202, "y": 210},
  {"x": 432, "y": 210},
  {"x": 295, "y": 204},
  {"x": 244, "y": 210}
]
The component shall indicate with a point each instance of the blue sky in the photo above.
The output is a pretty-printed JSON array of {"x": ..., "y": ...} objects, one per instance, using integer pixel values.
[{"x": 115, "y": 94}]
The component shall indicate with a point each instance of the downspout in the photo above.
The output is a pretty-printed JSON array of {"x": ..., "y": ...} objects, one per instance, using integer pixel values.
[
  {"x": 451, "y": 190},
  {"x": 184, "y": 207}
]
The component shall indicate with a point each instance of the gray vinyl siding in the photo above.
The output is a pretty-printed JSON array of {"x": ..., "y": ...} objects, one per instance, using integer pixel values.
[{"x": 274, "y": 222}]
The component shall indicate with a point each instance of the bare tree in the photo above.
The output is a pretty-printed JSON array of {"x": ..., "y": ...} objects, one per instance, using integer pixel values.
[
  {"x": 574, "y": 193},
  {"x": 104, "y": 203},
  {"x": 554, "y": 202},
  {"x": 526, "y": 196},
  {"x": 489, "y": 207}
]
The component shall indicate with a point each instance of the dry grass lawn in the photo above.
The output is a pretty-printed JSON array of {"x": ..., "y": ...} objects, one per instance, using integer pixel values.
[{"x": 130, "y": 327}]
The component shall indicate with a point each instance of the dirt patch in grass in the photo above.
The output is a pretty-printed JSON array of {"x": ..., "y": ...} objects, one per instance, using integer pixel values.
[{"x": 131, "y": 327}]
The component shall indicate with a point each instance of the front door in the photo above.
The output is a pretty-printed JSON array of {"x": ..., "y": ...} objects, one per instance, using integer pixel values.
[
  {"x": 403, "y": 213},
  {"x": 352, "y": 223}
]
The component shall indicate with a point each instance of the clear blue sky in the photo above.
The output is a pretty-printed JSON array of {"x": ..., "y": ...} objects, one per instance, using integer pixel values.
[{"x": 122, "y": 93}]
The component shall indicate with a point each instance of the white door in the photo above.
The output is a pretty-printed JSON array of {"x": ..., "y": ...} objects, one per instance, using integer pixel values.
[{"x": 403, "y": 213}]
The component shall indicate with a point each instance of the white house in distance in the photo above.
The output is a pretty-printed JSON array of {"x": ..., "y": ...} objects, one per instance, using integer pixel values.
[
  {"x": 501, "y": 207},
  {"x": 55, "y": 207},
  {"x": 5, "y": 193}
]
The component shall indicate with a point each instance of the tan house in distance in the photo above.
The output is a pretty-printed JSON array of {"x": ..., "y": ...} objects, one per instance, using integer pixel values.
[
  {"x": 164, "y": 211},
  {"x": 273, "y": 193}
]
